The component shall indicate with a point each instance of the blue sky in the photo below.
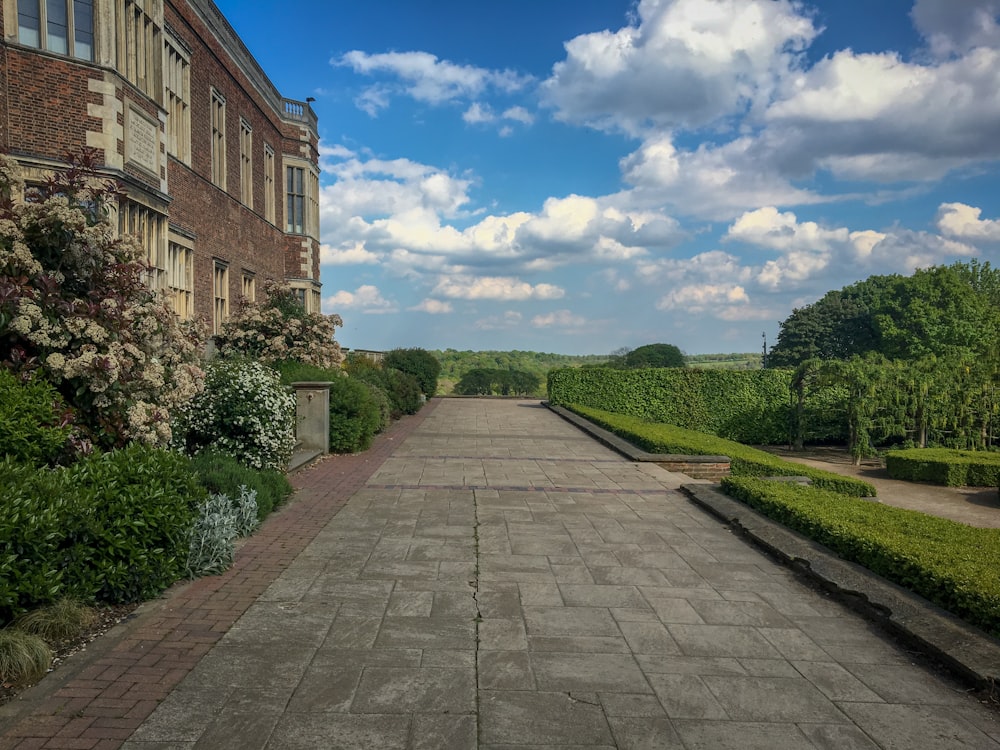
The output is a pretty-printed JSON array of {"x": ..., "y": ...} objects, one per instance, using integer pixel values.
[{"x": 576, "y": 176}]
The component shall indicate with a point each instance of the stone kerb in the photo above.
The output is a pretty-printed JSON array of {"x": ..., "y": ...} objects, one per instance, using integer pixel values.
[{"x": 712, "y": 468}]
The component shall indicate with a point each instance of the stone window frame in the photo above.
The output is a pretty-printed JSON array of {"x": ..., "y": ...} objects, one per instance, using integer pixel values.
[
  {"x": 177, "y": 97},
  {"x": 79, "y": 36},
  {"x": 246, "y": 163},
  {"x": 220, "y": 294},
  {"x": 218, "y": 124},
  {"x": 180, "y": 274}
]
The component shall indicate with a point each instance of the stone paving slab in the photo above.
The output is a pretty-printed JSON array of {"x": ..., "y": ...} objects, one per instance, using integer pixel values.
[{"x": 537, "y": 591}]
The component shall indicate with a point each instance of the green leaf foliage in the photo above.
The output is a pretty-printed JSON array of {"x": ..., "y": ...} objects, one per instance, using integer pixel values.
[
  {"x": 492, "y": 382},
  {"x": 951, "y": 468},
  {"x": 34, "y": 423},
  {"x": 221, "y": 474},
  {"x": 419, "y": 363},
  {"x": 941, "y": 311},
  {"x": 113, "y": 527},
  {"x": 747, "y": 406},
  {"x": 355, "y": 412},
  {"x": 952, "y": 565},
  {"x": 744, "y": 460}
]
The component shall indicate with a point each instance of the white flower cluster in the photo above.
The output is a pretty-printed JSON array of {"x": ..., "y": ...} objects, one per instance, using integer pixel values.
[
  {"x": 75, "y": 302},
  {"x": 244, "y": 411},
  {"x": 278, "y": 329}
]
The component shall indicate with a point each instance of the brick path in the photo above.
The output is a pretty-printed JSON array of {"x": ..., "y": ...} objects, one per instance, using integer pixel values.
[
  {"x": 107, "y": 701},
  {"x": 498, "y": 580}
]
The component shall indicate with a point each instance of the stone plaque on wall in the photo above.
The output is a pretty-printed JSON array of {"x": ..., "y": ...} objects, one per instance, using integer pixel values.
[{"x": 142, "y": 141}]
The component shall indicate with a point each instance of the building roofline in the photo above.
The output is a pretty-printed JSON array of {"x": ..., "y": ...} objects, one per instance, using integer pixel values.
[{"x": 289, "y": 110}]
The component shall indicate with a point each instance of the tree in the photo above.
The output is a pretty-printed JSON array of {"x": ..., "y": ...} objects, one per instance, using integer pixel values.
[
  {"x": 419, "y": 363},
  {"x": 654, "y": 355},
  {"x": 483, "y": 381},
  {"x": 936, "y": 312}
]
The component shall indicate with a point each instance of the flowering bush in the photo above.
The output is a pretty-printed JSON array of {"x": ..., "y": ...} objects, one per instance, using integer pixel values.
[
  {"x": 74, "y": 305},
  {"x": 244, "y": 411},
  {"x": 280, "y": 329}
]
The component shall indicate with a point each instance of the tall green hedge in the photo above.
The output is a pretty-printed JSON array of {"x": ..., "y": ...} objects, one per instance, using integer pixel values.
[{"x": 750, "y": 406}]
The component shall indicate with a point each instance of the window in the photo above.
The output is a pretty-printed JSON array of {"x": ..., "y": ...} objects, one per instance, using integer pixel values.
[
  {"x": 246, "y": 163},
  {"x": 249, "y": 287},
  {"x": 148, "y": 227},
  {"x": 296, "y": 192},
  {"x": 220, "y": 286},
  {"x": 65, "y": 27},
  {"x": 269, "y": 183},
  {"x": 302, "y": 207},
  {"x": 218, "y": 139},
  {"x": 139, "y": 49},
  {"x": 180, "y": 277},
  {"x": 177, "y": 99}
]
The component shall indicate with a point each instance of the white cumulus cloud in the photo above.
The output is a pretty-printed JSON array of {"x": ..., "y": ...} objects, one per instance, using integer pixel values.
[
  {"x": 962, "y": 222},
  {"x": 494, "y": 288},
  {"x": 366, "y": 298},
  {"x": 433, "y": 307}
]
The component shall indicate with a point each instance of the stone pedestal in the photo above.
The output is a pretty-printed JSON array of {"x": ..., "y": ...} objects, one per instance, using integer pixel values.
[{"x": 312, "y": 412}]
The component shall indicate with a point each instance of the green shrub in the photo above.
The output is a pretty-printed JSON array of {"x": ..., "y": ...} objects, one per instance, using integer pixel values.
[
  {"x": 112, "y": 527},
  {"x": 245, "y": 411},
  {"x": 951, "y": 468},
  {"x": 356, "y": 410},
  {"x": 744, "y": 460},
  {"x": 37, "y": 515},
  {"x": 402, "y": 390},
  {"x": 135, "y": 509},
  {"x": 951, "y": 564},
  {"x": 419, "y": 363},
  {"x": 221, "y": 474},
  {"x": 24, "y": 657},
  {"x": 354, "y": 416},
  {"x": 34, "y": 423}
]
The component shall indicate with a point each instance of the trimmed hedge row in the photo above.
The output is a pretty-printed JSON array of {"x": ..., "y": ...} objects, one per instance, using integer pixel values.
[
  {"x": 744, "y": 460},
  {"x": 750, "y": 406},
  {"x": 951, "y": 468},
  {"x": 951, "y": 564}
]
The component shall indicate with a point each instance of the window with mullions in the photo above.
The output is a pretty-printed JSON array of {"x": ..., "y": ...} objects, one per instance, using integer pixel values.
[
  {"x": 246, "y": 163},
  {"x": 65, "y": 27},
  {"x": 140, "y": 53},
  {"x": 177, "y": 96},
  {"x": 295, "y": 189},
  {"x": 218, "y": 139},
  {"x": 269, "y": 183},
  {"x": 220, "y": 286}
]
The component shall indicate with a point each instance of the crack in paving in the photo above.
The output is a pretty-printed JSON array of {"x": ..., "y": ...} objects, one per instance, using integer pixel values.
[{"x": 479, "y": 614}]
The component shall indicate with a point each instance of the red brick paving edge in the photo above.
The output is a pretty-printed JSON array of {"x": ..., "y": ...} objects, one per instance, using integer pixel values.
[{"x": 109, "y": 696}]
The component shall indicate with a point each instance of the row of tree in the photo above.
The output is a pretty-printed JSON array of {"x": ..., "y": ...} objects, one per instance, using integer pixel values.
[{"x": 941, "y": 311}]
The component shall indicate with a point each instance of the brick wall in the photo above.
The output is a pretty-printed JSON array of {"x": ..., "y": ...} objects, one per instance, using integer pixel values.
[
  {"x": 47, "y": 108},
  {"x": 712, "y": 471},
  {"x": 223, "y": 227}
]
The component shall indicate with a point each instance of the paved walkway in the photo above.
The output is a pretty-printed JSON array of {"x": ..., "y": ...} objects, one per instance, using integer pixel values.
[{"x": 501, "y": 580}]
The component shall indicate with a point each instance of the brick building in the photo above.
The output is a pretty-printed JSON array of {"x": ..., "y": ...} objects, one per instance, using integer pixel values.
[{"x": 219, "y": 170}]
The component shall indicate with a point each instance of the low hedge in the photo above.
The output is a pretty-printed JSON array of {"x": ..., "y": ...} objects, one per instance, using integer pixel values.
[
  {"x": 951, "y": 564},
  {"x": 743, "y": 460},
  {"x": 951, "y": 468},
  {"x": 113, "y": 527}
]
